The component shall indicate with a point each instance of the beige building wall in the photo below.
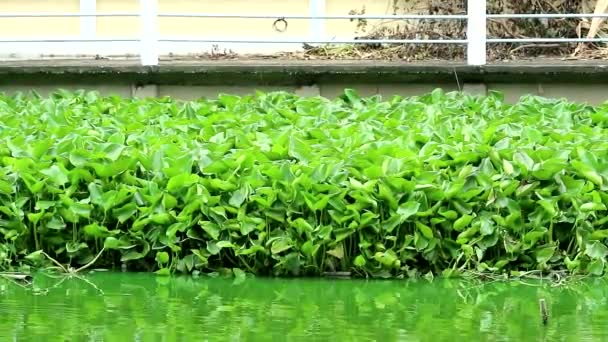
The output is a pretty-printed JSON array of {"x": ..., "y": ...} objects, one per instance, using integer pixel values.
[
  {"x": 118, "y": 27},
  {"x": 39, "y": 27},
  {"x": 186, "y": 27},
  {"x": 233, "y": 28}
]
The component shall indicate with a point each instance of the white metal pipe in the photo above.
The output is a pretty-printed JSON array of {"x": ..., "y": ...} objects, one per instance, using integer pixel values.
[
  {"x": 328, "y": 17},
  {"x": 67, "y": 40},
  {"x": 317, "y": 26},
  {"x": 300, "y": 41},
  {"x": 476, "y": 32},
  {"x": 149, "y": 38},
  {"x": 88, "y": 24},
  {"x": 65, "y": 15},
  {"x": 547, "y": 40},
  {"x": 547, "y": 15}
]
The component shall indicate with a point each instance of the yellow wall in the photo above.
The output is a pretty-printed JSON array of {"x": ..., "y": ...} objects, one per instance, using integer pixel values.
[
  {"x": 185, "y": 27},
  {"x": 233, "y": 28},
  {"x": 118, "y": 27},
  {"x": 39, "y": 27}
]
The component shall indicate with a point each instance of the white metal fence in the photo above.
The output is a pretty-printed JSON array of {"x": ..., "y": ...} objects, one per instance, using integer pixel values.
[{"x": 149, "y": 43}]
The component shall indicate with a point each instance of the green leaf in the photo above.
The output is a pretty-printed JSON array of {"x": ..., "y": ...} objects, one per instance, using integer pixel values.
[
  {"x": 213, "y": 248},
  {"x": 596, "y": 250},
  {"x": 225, "y": 244},
  {"x": 95, "y": 193},
  {"x": 81, "y": 209},
  {"x": 182, "y": 181},
  {"x": 210, "y": 228},
  {"x": 113, "y": 151},
  {"x": 425, "y": 230},
  {"x": 462, "y": 222},
  {"x": 131, "y": 255},
  {"x": 390, "y": 224},
  {"x": 238, "y": 197},
  {"x": 96, "y": 231},
  {"x": 593, "y": 207},
  {"x": 337, "y": 252},
  {"x": 524, "y": 161},
  {"x": 548, "y": 206},
  {"x": 507, "y": 167},
  {"x": 309, "y": 249},
  {"x": 44, "y": 205},
  {"x": 587, "y": 172},
  {"x": 449, "y": 214},
  {"x": 58, "y": 175},
  {"x": 387, "y": 259},
  {"x": 360, "y": 261},
  {"x": 543, "y": 255},
  {"x": 73, "y": 247},
  {"x": 125, "y": 212},
  {"x": 35, "y": 217},
  {"x": 280, "y": 245},
  {"x": 599, "y": 234},
  {"x": 56, "y": 223},
  {"x": 351, "y": 96},
  {"x": 487, "y": 226},
  {"x": 36, "y": 256},
  {"x": 169, "y": 202},
  {"x": 408, "y": 209},
  {"x": 547, "y": 169},
  {"x": 163, "y": 272},
  {"x": 5, "y": 188},
  {"x": 162, "y": 257},
  {"x": 78, "y": 158},
  {"x": 596, "y": 267},
  {"x": 112, "y": 243}
]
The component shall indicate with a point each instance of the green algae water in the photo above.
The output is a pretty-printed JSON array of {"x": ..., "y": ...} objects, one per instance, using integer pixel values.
[{"x": 141, "y": 307}]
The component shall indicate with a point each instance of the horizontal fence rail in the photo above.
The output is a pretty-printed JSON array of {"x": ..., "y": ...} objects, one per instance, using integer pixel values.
[
  {"x": 546, "y": 40},
  {"x": 547, "y": 16},
  {"x": 67, "y": 15},
  {"x": 328, "y": 17},
  {"x": 476, "y": 34},
  {"x": 333, "y": 41}
]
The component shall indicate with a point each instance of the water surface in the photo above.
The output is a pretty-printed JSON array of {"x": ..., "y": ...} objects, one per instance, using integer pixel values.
[{"x": 141, "y": 307}]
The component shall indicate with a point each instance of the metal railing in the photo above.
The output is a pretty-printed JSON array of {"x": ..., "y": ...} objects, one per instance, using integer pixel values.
[{"x": 476, "y": 35}]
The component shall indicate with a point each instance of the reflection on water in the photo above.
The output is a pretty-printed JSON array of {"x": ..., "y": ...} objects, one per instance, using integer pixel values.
[{"x": 139, "y": 307}]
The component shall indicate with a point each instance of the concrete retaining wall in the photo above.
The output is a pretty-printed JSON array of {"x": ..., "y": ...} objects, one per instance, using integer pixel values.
[{"x": 577, "y": 81}]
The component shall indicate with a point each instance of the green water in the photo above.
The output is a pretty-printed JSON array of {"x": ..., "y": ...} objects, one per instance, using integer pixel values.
[{"x": 134, "y": 307}]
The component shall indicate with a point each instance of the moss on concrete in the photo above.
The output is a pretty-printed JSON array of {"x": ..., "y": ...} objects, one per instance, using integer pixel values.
[{"x": 293, "y": 72}]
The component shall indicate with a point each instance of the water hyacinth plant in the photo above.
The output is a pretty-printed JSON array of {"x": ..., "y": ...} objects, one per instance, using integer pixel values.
[{"x": 276, "y": 184}]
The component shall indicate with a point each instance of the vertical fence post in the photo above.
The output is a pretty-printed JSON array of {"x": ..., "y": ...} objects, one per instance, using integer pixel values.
[
  {"x": 317, "y": 26},
  {"x": 476, "y": 32},
  {"x": 88, "y": 25},
  {"x": 149, "y": 38}
]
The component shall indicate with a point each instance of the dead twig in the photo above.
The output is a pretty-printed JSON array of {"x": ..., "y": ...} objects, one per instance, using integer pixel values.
[
  {"x": 600, "y": 8},
  {"x": 526, "y": 46}
]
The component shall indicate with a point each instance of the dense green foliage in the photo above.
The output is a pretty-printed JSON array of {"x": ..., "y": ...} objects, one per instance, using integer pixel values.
[{"x": 277, "y": 184}]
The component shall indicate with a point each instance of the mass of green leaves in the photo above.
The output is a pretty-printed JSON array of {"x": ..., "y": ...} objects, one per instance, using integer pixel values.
[{"x": 276, "y": 184}]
